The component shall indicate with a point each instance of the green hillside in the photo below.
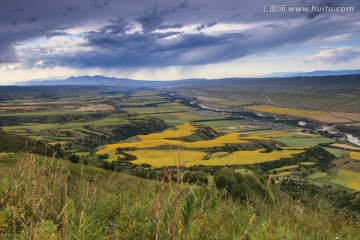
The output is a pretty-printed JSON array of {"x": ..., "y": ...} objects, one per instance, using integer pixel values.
[
  {"x": 54, "y": 199},
  {"x": 14, "y": 143}
]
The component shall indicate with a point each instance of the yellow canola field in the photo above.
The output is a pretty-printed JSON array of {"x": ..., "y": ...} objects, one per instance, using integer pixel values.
[
  {"x": 266, "y": 135},
  {"x": 283, "y": 110},
  {"x": 355, "y": 155},
  {"x": 161, "y": 139},
  {"x": 169, "y": 156},
  {"x": 180, "y": 131},
  {"x": 54, "y": 143},
  {"x": 245, "y": 157},
  {"x": 230, "y": 138},
  {"x": 161, "y": 158}
]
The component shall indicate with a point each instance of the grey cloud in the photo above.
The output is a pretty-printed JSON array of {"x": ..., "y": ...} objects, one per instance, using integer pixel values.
[
  {"x": 203, "y": 26},
  {"x": 152, "y": 19},
  {"x": 111, "y": 46},
  {"x": 100, "y": 3}
]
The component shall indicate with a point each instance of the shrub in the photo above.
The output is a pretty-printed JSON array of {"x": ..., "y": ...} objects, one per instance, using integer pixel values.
[{"x": 74, "y": 158}]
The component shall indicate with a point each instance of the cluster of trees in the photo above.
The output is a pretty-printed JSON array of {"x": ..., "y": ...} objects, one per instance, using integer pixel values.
[
  {"x": 340, "y": 198},
  {"x": 139, "y": 127},
  {"x": 127, "y": 156},
  {"x": 60, "y": 152},
  {"x": 322, "y": 158},
  {"x": 202, "y": 133},
  {"x": 241, "y": 186}
]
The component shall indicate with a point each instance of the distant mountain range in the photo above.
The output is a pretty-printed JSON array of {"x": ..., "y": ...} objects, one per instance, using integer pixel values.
[
  {"x": 333, "y": 83},
  {"x": 313, "y": 74},
  {"x": 87, "y": 80},
  {"x": 111, "y": 81}
]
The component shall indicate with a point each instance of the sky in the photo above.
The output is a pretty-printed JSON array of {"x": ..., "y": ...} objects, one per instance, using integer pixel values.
[{"x": 171, "y": 39}]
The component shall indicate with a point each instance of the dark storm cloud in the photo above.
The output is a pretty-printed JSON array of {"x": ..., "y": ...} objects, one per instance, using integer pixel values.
[
  {"x": 116, "y": 43},
  {"x": 152, "y": 19},
  {"x": 206, "y": 25},
  {"x": 146, "y": 49}
]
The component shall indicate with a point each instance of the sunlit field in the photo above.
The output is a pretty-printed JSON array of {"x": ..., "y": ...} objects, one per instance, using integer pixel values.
[
  {"x": 355, "y": 155},
  {"x": 348, "y": 179},
  {"x": 284, "y": 111}
]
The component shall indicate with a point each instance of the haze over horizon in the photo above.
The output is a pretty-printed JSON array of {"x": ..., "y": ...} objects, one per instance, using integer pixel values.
[{"x": 168, "y": 40}]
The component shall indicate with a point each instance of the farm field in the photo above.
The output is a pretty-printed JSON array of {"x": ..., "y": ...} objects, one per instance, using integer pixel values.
[
  {"x": 162, "y": 108},
  {"x": 345, "y": 146},
  {"x": 337, "y": 152},
  {"x": 158, "y": 158},
  {"x": 312, "y": 114},
  {"x": 69, "y": 125},
  {"x": 179, "y": 118},
  {"x": 351, "y": 116},
  {"x": 355, "y": 155},
  {"x": 283, "y": 174},
  {"x": 285, "y": 168},
  {"x": 329, "y": 118},
  {"x": 283, "y": 111},
  {"x": 42, "y": 113},
  {"x": 228, "y": 126},
  {"x": 317, "y": 175},
  {"x": 307, "y": 163},
  {"x": 166, "y": 139},
  {"x": 303, "y": 142},
  {"x": 266, "y": 134},
  {"x": 347, "y": 178},
  {"x": 75, "y": 120},
  {"x": 222, "y": 101},
  {"x": 161, "y": 158}
]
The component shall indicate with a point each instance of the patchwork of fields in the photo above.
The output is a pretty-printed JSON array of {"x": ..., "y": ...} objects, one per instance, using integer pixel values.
[
  {"x": 73, "y": 121},
  {"x": 331, "y": 117},
  {"x": 146, "y": 149}
]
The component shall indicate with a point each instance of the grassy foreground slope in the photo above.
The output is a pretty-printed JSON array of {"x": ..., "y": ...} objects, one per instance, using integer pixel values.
[
  {"x": 14, "y": 143},
  {"x": 53, "y": 199}
]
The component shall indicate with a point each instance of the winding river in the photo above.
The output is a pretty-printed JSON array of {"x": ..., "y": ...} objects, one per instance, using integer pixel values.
[{"x": 353, "y": 139}]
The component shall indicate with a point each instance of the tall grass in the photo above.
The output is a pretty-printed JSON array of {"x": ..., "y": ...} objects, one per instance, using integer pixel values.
[{"x": 52, "y": 199}]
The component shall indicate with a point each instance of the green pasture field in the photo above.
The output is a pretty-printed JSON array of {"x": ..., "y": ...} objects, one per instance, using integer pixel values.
[
  {"x": 178, "y": 118},
  {"x": 162, "y": 108},
  {"x": 222, "y": 101},
  {"x": 284, "y": 168},
  {"x": 138, "y": 104},
  {"x": 43, "y": 113},
  {"x": 309, "y": 101},
  {"x": 282, "y": 174},
  {"x": 112, "y": 120},
  {"x": 224, "y": 125},
  {"x": 303, "y": 142},
  {"x": 336, "y": 151},
  {"x": 347, "y": 178},
  {"x": 244, "y": 171},
  {"x": 317, "y": 175},
  {"x": 321, "y": 102}
]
